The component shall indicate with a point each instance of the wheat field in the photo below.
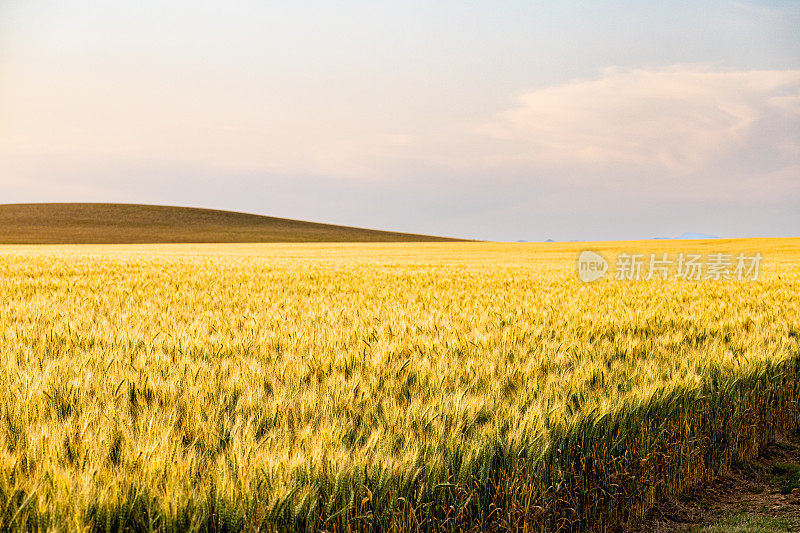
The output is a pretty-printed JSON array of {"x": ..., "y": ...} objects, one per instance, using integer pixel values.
[{"x": 375, "y": 387}]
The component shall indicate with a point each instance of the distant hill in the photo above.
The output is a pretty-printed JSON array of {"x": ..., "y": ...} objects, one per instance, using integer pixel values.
[{"x": 67, "y": 223}]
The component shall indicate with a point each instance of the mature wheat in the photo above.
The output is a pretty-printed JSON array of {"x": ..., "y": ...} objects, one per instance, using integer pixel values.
[{"x": 377, "y": 387}]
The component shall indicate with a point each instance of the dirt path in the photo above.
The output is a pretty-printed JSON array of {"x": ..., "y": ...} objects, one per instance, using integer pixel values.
[{"x": 767, "y": 486}]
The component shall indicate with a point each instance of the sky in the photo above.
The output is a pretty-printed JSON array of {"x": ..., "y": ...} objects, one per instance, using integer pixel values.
[{"x": 497, "y": 120}]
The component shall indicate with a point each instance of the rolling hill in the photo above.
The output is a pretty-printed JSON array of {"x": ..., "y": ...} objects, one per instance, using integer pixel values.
[{"x": 98, "y": 223}]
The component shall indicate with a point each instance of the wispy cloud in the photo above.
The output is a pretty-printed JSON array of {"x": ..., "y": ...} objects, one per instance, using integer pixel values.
[{"x": 679, "y": 118}]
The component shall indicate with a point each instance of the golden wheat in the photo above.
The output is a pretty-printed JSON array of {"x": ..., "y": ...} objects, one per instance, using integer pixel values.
[{"x": 377, "y": 386}]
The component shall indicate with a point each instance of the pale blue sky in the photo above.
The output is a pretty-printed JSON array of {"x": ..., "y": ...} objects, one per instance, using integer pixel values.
[{"x": 495, "y": 120}]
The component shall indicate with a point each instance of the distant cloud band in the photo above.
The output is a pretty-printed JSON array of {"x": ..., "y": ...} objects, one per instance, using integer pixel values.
[{"x": 679, "y": 117}]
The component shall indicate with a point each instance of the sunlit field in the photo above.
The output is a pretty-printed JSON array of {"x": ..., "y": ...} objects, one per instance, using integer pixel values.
[{"x": 445, "y": 386}]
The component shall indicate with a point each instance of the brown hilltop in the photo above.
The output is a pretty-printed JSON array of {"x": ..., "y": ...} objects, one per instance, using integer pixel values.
[{"x": 99, "y": 223}]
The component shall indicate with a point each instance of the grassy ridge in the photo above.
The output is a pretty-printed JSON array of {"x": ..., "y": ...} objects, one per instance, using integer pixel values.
[
  {"x": 377, "y": 387},
  {"x": 129, "y": 223}
]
